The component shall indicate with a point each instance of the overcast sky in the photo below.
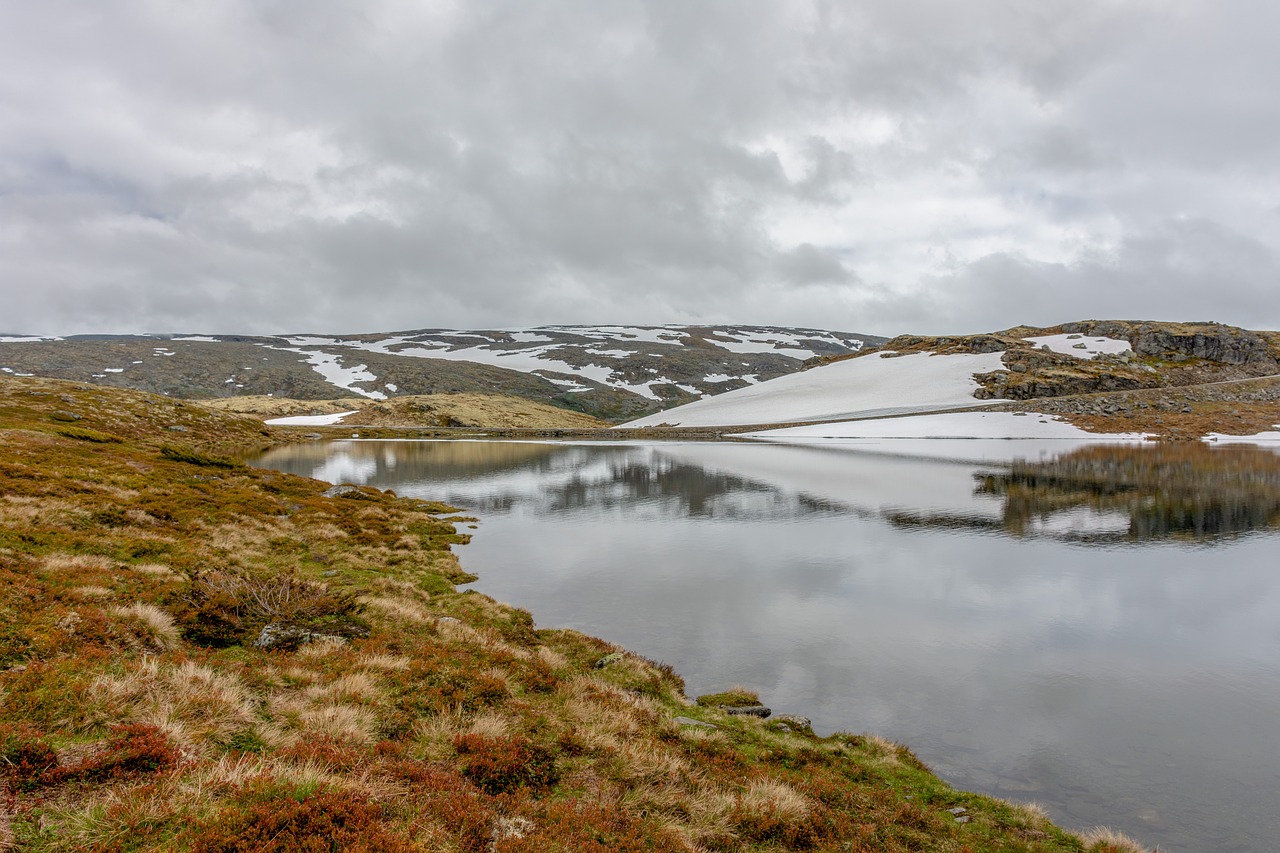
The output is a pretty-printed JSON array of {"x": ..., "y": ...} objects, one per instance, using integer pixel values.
[{"x": 881, "y": 166}]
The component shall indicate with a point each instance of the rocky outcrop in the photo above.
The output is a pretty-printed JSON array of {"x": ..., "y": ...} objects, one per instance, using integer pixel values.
[{"x": 1179, "y": 341}]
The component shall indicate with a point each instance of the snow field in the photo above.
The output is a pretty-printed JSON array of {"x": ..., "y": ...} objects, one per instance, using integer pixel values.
[{"x": 877, "y": 384}]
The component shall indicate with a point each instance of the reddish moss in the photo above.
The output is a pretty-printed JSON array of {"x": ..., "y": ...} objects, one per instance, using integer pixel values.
[
  {"x": 576, "y": 826},
  {"x": 325, "y": 822},
  {"x": 132, "y": 750},
  {"x": 27, "y": 762},
  {"x": 500, "y": 764}
]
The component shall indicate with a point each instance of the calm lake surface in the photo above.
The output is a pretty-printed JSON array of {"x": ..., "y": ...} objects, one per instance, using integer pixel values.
[{"x": 1097, "y": 631}]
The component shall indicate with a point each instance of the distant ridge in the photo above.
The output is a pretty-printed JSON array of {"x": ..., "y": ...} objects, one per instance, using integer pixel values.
[{"x": 613, "y": 372}]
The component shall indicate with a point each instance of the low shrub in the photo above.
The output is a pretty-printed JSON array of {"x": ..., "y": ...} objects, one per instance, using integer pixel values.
[
  {"x": 192, "y": 457},
  {"x": 450, "y": 801},
  {"x": 736, "y": 697},
  {"x": 575, "y": 826},
  {"x": 27, "y": 762},
  {"x": 500, "y": 764},
  {"x": 132, "y": 749},
  {"x": 80, "y": 434},
  {"x": 220, "y": 608},
  {"x": 322, "y": 823}
]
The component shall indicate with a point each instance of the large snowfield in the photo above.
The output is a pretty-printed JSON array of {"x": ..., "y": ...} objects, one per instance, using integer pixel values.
[{"x": 869, "y": 386}]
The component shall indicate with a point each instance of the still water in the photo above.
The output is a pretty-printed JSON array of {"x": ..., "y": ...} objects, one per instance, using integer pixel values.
[{"x": 1098, "y": 631}]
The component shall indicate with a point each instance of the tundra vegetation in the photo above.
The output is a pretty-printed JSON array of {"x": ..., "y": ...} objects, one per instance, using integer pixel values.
[{"x": 200, "y": 656}]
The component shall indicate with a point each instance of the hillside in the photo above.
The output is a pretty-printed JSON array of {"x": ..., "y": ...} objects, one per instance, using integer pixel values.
[
  {"x": 200, "y": 656},
  {"x": 1174, "y": 379},
  {"x": 608, "y": 372},
  {"x": 417, "y": 410}
]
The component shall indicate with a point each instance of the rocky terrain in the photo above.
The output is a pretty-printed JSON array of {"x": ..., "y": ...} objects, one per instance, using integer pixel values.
[
  {"x": 1159, "y": 355},
  {"x": 609, "y": 372},
  {"x": 1173, "y": 380}
]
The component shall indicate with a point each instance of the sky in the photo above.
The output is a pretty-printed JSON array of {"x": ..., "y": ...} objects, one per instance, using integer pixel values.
[{"x": 880, "y": 166}]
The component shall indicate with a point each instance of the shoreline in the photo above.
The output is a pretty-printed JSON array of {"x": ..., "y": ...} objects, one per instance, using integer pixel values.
[{"x": 196, "y": 650}]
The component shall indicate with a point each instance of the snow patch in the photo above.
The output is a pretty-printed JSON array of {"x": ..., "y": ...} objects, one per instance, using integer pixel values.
[
  {"x": 1269, "y": 435},
  {"x": 330, "y": 367},
  {"x": 644, "y": 334},
  {"x": 791, "y": 344},
  {"x": 310, "y": 420},
  {"x": 715, "y": 378},
  {"x": 1081, "y": 346},
  {"x": 964, "y": 425}
]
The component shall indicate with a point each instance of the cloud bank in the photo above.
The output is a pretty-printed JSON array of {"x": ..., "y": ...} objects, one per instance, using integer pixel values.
[{"x": 883, "y": 167}]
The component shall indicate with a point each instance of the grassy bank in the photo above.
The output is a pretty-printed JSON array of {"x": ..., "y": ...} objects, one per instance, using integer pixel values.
[{"x": 200, "y": 656}]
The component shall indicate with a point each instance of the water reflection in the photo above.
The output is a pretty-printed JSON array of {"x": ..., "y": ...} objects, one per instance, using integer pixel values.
[
  {"x": 1098, "y": 494},
  {"x": 1182, "y": 490},
  {"x": 979, "y": 613}
]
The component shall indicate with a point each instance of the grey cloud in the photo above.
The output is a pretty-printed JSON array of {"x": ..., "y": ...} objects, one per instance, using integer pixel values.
[{"x": 335, "y": 166}]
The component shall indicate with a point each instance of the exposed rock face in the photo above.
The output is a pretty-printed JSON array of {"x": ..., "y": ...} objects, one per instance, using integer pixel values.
[
  {"x": 1229, "y": 346},
  {"x": 953, "y": 344},
  {"x": 1176, "y": 341}
]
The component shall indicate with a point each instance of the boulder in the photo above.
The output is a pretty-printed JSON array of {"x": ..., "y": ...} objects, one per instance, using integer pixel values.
[{"x": 746, "y": 711}]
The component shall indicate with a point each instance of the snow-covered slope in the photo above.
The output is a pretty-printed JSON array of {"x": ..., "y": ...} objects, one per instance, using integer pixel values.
[{"x": 868, "y": 386}]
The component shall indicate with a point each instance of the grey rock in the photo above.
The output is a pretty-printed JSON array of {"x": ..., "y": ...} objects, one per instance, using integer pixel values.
[
  {"x": 339, "y": 491},
  {"x": 176, "y": 428},
  {"x": 791, "y": 721},
  {"x": 746, "y": 711},
  {"x": 64, "y": 415},
  {"x": 1209, "y": 341},
  {"x": 611, "y": 658},
  {"x": 276, "y": 636},
  {"x": 690, "y": 721},
  {"x": 964, "y": 818}
]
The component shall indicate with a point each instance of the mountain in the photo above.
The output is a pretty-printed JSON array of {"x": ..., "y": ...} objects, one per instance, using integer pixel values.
[
  {"x": 1154, "y": 373},
  {"x": 611, "y": 372}
]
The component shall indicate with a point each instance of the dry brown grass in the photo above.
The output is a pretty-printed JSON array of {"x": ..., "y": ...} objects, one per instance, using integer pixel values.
[
  {"x": 341, "y": 722},
  {"x": 158, "y": 570},
  {"x": 398, "y": 608},
  {"x": 386, "y": 663},
  {"x": 1102, "y": 839},
  {"x": 76, "y": 562},
  {"x": 197, "y": 707},
  {"x": 156, "y": 628}
]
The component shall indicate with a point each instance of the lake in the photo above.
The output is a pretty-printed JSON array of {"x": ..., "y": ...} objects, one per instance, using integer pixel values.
[{"x": 1096, "y": 629}]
